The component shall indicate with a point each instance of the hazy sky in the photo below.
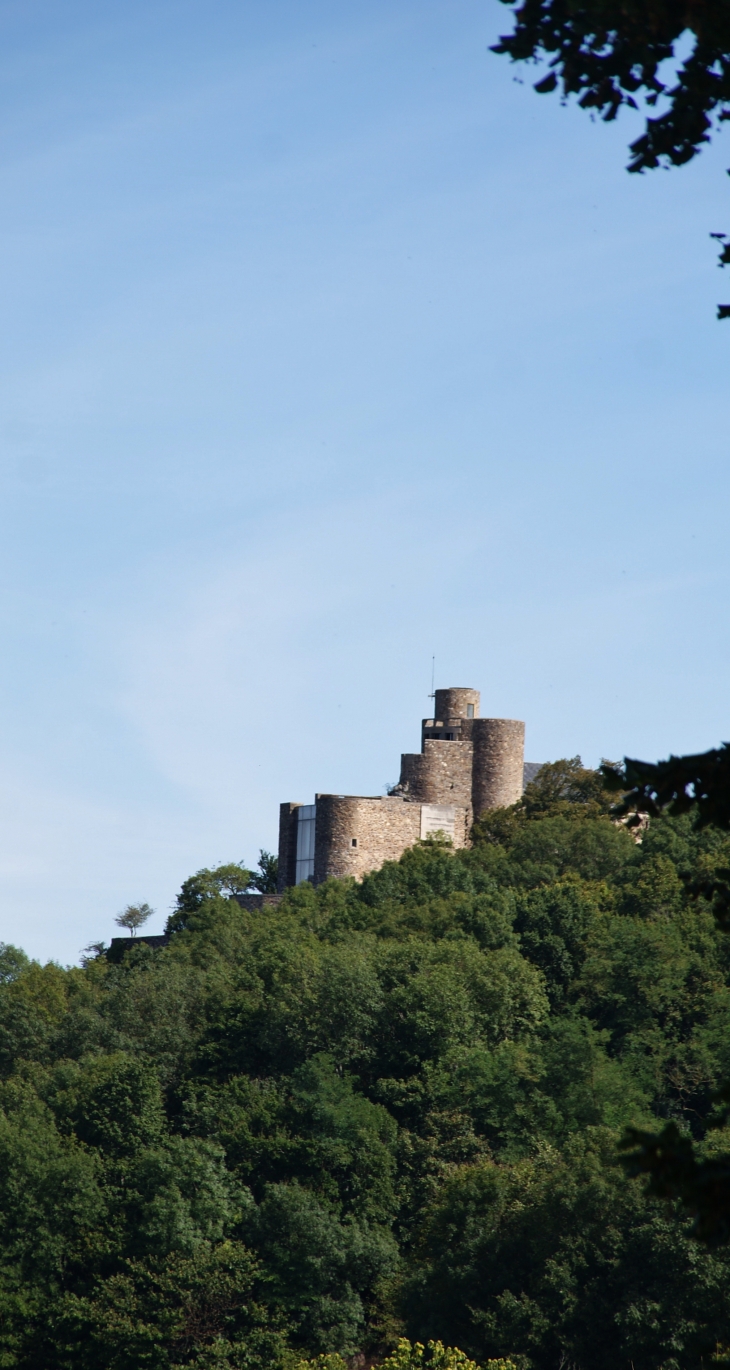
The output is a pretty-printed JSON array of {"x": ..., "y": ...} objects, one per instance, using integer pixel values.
[{"x": 328, "y": 346}]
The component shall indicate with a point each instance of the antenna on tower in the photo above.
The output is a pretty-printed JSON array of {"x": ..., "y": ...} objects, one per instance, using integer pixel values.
[{"x": 433, "y": 676}]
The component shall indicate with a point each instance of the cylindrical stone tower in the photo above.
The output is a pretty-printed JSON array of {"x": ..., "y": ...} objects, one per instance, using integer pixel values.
[
  {"x": 499, "y": 754},
  {"x": 456, "y": 703}
]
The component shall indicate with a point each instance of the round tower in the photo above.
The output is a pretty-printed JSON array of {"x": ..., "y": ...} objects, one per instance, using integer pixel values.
[
  {"x": 456, "y": 703},
  {"x": 499, "y": 754}
]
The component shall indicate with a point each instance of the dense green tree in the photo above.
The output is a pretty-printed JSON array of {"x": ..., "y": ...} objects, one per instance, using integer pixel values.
[
  {"x": 556, "y": 1258},
  {"x": 266, "y": 879},
  {"x": 698, "y": 785},
  {"x": 377, "y": 1109},
  {"x": 199, "y": 1310},
  {"x": 226, "y": 881}
]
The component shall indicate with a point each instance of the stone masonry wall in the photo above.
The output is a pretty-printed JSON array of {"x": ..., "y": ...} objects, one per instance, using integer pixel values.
[
  {"x": 287, "y": 845},
  {"x": 499, "y": 755},
  {"x": 453, "y": 703},
  {"x": 441, "y": 774},
  {"x": 382, "y": 829}
]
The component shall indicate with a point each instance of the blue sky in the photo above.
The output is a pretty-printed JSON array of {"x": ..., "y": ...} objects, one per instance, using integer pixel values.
[{"x": 328, "y": 346}]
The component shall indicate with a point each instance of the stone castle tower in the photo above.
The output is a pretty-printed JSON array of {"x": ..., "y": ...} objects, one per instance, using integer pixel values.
[{"x": 466, "y": 766}]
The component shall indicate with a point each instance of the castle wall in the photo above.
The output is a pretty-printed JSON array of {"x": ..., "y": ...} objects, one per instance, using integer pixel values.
[
  {"x": 466, "y": 766},
  {"x": 499, "y": 756},
  {"x": 287, "y": 846},
  {"x": 381, "y": 828},
  {"x": 440, "y": 774}
]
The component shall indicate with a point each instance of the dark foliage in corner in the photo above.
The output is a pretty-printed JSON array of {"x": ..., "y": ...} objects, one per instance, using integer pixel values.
[
  {"x": 609, "y": 53},
  {"x": 677, "y": 1167},
  {"x": 678, "y": 785}
]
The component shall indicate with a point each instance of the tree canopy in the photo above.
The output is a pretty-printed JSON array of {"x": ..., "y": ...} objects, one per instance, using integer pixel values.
[
  {"x": 672, "y": 56},
  {"x": 611, "y": 53},
  {"x": 378, "y": 1116},
  {"x": 134, "y": 916}
]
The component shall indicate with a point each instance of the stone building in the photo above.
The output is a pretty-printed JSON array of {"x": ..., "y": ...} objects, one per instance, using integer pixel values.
[{"x": 466, "y": 765}]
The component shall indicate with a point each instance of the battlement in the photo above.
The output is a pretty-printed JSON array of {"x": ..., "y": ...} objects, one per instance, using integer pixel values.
[{"x": 466, "y": 766}]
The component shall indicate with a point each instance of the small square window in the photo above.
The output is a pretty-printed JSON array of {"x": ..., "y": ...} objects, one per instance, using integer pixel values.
[{"x": 354, "y": 841}]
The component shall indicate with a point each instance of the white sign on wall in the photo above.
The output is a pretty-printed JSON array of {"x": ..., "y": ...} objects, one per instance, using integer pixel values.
[{"x": 438, "y": 818}]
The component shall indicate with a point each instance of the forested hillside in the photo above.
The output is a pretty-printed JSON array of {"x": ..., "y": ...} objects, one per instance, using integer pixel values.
[{"x": 378, "y": 1110}]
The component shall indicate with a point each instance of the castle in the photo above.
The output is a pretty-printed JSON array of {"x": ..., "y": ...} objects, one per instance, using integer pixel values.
[{"x": 466, "y": 766}]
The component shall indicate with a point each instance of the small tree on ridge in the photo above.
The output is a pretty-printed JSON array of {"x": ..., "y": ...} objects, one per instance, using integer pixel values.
[{"x": 133, "y": 917}]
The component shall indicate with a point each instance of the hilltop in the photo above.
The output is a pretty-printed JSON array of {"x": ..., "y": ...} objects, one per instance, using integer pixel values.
[{"x": 378, "y": 1109}]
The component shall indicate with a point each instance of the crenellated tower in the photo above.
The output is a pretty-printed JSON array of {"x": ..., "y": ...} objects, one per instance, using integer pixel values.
[
  {"x": 466, "y": 766},
  {"x": 465, "y": 759}
]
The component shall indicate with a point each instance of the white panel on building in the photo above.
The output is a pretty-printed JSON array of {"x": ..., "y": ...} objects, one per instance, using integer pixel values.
[
  {"x": 306, "y": 817},
  {"x": 438, "y": 818}
]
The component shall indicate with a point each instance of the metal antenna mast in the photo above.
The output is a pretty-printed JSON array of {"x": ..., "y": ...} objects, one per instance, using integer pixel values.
[{"x": 433, "y": 676}]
